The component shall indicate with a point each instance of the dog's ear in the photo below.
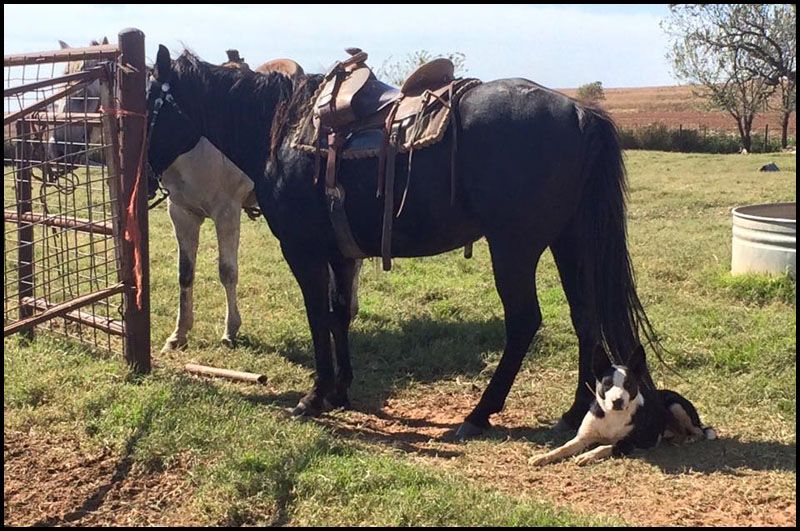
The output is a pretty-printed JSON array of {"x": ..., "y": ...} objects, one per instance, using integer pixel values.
[
  {"x": 600, "y": 361},
  {"x": 163, "y": 67},
  {"x": 637, "y": 363}
]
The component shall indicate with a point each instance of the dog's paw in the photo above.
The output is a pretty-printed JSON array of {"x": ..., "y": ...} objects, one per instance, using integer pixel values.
[
  {"x": 593, "y": 456},
  {"x": 539, "y": 460},
  {"x": 585, "y": 459}
]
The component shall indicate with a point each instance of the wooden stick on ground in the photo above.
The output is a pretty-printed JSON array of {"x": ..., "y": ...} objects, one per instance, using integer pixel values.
[{"x": 204, "y": 370}]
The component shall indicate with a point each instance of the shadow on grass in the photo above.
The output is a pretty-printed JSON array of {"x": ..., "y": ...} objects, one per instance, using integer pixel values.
[
  {"x": 121, "y": 472},
  {"x": 384, "y": 360},
  {"x": 726, "y": 455},
  {"x": 424, "y": 350}
]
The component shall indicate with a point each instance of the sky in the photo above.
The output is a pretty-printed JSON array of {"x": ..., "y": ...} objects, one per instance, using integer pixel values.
[{"x": 559, "y": 46}]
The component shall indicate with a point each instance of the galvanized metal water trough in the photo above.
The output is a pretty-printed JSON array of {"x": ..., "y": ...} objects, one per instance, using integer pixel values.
[{"x": 765, "y": 239}]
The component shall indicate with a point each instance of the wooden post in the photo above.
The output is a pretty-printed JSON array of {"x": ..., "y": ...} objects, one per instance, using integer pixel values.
[
  {"x": 766, "y": 137},
  {"x": 25, "y": 279},
  {"x": 132, "y": 80}
]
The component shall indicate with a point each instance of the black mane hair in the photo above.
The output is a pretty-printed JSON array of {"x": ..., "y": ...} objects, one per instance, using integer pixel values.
[
  {"x": 292, "y": 110},
  {"x": 243, "y": 106}
]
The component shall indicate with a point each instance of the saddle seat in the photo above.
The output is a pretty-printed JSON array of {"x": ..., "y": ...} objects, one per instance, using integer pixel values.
[
  {"x": 356, "y": 115},
  {"x": 352, "y": 97}
]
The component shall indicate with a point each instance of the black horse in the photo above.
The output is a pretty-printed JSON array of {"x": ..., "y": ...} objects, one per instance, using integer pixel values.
[{"x": 535, "y": 169}]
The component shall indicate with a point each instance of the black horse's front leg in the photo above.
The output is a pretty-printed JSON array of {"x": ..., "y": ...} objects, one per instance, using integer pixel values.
[
  {"x": 312, "y": 274},
  {"x": 343, "y": 295}
]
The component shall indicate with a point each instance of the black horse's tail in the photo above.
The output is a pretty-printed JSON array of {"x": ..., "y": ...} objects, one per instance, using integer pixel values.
[{"x": 619, "y": 314}]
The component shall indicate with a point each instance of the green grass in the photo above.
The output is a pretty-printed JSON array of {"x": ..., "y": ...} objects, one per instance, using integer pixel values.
[
  {"x": 254, "y": 465},
  {"x": 432, "y": 327}
]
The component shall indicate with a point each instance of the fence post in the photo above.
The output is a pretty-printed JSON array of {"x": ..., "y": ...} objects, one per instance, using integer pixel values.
[
  {"x": 766, "y": 137},
  {"x": 25, "y": 278},
  {"x": 135, "y": 250}
]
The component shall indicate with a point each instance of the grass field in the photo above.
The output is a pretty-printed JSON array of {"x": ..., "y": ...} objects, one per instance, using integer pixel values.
[{"x": 85, "y": 442}]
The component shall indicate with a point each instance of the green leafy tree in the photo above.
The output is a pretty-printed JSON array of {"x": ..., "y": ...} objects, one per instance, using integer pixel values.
[
  {"x": 395, "y": 71},
  {"x": 738, "y": 55},
  {"x": 591, "y": 92}
]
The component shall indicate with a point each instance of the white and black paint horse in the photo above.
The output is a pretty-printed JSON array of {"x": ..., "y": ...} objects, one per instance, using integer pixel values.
[
  {"x": 203, "y": 183},
  {"x": 535, "y": 170}
]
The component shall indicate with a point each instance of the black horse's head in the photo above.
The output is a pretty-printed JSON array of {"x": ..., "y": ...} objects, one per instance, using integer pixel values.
[
  {"x": 170, "y": 131},
  {"x": 233, "y": 108}
]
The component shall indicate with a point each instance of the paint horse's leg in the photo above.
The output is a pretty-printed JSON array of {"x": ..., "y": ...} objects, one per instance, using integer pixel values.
[
  {"x": 514, "y": 263},
  {"x": 187, "y": 232},
  {"x": 227, "y": 222},
  {"x": 344, "y": 284},
  {"x": 313, "y": 276},
  {"x": 354, "y": 289}
]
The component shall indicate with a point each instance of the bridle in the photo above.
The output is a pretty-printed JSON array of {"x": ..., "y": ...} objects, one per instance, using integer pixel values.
[{"x": 164, "y": 96}]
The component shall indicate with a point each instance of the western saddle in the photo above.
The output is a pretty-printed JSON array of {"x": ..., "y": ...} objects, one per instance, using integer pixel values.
[{"x": 352, "y": 103}]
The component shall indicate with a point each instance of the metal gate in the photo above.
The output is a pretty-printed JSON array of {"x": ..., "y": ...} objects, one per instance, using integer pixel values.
[{"x": 75, "y": 250}]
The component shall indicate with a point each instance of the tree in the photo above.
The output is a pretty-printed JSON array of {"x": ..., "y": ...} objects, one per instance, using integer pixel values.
[
  {"x": 396, "y": 72},
  {"x": 591, "y": 92},
  {"x": 739, "y": 54}
]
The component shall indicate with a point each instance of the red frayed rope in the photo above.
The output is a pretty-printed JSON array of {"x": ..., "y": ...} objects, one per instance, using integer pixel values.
[{"x": 132, "y": 232}]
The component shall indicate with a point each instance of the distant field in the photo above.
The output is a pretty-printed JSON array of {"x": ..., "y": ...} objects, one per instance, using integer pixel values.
[{"x": 634, "y": 107}]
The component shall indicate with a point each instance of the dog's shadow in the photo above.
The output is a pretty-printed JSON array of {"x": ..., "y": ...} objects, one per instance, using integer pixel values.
[{"x": 727, "y": 455}]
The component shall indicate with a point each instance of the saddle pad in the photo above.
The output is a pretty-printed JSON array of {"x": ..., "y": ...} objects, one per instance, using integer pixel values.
[{"x": 420, "y": 130}]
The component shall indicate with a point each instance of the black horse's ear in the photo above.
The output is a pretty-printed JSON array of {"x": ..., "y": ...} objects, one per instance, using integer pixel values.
[
  {"x": 163, "y": 67},
  {"x": 637, "y": 360},
  {"x": 600, "y": 361},
  {"x": 63, "y": 45},
  {"x": 105, "y": 40}
]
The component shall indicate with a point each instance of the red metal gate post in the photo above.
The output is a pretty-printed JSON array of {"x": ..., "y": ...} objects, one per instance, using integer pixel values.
[{"x": 135, "y": 248}]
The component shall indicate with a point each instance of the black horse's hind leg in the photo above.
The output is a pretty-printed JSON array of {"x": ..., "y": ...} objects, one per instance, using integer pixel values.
[
  {"x": 312, "y": 274},
  {"x": 344, "y": 276},
  {"x": 567, "y": 252},
  {"x": 514, "y": 262}
]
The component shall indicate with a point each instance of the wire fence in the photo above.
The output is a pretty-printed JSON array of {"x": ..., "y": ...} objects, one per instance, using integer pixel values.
[{"x": 69, "y": 172}]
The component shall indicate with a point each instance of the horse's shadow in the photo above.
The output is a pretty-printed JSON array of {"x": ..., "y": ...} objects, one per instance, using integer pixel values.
[
  {"x": 389, "y": 357},
  {"x": 386, "y": 358}
]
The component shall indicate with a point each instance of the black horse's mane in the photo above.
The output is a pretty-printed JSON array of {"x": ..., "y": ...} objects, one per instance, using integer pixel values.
[
  {"x": 291, "y": 111},
  {"x": 231, "y": 106}
]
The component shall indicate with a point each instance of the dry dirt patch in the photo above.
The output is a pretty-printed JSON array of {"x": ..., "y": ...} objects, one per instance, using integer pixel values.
[
  {"x": 728, "y": 482},
  {"x": 55, "y": 480}
]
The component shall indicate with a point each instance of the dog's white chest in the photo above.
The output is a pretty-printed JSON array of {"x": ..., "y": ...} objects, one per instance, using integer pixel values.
[{"x": 613, "y": 427}]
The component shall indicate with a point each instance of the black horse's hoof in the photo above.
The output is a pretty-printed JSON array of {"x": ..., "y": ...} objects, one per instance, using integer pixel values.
[
  {"x": 570, "y": 420},
  {"x": 302, "y": 409},
  {"x": 468, "y": 430},
  {"x": 337, "y": 400}
]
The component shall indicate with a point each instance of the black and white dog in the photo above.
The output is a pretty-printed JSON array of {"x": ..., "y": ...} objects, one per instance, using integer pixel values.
[{"x": 626, "y": 415}]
